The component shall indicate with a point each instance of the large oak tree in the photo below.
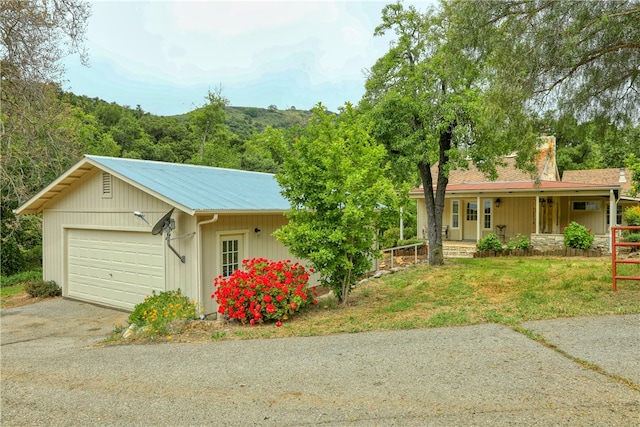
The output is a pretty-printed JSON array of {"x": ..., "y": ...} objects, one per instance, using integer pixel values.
[{"x": 435, "y": 102}]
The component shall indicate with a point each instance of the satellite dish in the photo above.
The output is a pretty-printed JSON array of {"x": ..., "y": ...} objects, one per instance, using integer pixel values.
[{"x": 164, "y": 222}]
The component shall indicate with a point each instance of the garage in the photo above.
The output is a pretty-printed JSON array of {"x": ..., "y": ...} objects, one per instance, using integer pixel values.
[{"x": 114, "y": 268}]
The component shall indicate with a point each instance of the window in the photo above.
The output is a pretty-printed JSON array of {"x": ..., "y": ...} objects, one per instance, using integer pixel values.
[
  {"x": 487, "y": 214},
  {"x": 230, "y": 256},
  {"x": 586, "y": 206},
  {"x": 106, "y": 185},
  {"x": 472, "y": 211},
  {"x": 455, "y": 214},
  {"x": 618, "y": 214}
]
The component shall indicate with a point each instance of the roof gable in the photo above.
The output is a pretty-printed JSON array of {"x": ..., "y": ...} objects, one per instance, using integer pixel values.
[
  {"x": 545, "y": 168},
  {"x": 191, "y": 188}
]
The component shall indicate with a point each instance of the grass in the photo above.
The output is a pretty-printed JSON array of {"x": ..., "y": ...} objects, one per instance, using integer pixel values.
[
  {"x": 469, "y": 291},
  {"x": 505, "y": 290},
  {"x": 10, "y": 291}
]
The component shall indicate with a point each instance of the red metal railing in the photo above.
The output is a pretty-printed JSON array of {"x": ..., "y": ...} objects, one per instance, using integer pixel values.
[{"x": 614, "y": 258}]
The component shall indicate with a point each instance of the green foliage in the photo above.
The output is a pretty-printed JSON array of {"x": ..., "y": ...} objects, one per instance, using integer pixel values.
[
  {"x": 265, "y": 290},
  {"x": 410, "y": 242},
  {"x": 540, "y": 47},
  {"x": 390, "y": 237},
  {"x": 490, "y": 242},
  {"x": 42, "y": 289},
  {"x": 632, "y": 237},
  {"x": 519, "y": 241},
  {"x": 21, "y": 278},
  {"x": 12, "y": 258},
  {"x": 435, "y": 104},
  {"x": 631, "y": 215},
  {"x": 335, "y": 182},
  {"x": 577, "y": 236},
  {"x": 158, "y": 310}
]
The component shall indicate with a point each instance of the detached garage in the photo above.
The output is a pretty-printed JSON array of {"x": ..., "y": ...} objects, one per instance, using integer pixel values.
[{"x": 99, "y": 240}]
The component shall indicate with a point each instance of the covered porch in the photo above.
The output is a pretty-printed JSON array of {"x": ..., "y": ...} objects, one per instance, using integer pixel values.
[{"x": 536, "y": 210}]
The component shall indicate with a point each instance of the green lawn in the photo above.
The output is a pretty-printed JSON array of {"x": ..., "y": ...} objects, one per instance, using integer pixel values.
[{"x": 469, "y": 291}]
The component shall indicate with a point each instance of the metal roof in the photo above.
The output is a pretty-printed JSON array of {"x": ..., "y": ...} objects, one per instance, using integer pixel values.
[{"x": 191, "y": 188}]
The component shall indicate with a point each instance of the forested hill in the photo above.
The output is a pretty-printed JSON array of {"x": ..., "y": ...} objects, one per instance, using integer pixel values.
[
  {"x": 215, "y": 134},
  {"x": 244, "y": 121}
]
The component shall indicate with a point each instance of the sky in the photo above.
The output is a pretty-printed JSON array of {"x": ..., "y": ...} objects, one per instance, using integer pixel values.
[{"x": 166, "y": 55}]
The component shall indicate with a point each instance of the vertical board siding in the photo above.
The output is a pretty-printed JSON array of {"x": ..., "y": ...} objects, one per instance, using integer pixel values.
[{"x": 82, "y": 207}]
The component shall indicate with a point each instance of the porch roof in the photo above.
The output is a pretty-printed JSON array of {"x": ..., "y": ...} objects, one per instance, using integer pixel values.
[{"x": 521, "y": 186}]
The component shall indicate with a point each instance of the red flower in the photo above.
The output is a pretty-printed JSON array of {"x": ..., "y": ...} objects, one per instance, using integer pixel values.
[
  {"x": 278, "y": 323},
  {"x": 280, "y": 298},
  {"x": 271, "y": 308},
  {"x": 267, "y": 298},
  {"x": 293, "y": 305}
]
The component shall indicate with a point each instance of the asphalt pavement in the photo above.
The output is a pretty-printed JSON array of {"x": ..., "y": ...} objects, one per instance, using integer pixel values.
[{"x": 54, "y": 374}]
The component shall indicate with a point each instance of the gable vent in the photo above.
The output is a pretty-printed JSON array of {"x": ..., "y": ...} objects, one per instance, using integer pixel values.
[{"x": 106, "y": 185}]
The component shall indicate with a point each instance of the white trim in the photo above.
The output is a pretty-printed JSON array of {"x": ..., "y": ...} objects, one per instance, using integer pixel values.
[{"x": 245, "y": 246}]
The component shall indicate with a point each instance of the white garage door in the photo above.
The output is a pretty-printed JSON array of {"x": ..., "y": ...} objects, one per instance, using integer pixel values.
[{"x": 115, "y": 268}]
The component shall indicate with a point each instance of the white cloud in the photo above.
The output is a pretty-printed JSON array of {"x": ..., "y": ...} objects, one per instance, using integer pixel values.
[{"x": 300, "y": 52}]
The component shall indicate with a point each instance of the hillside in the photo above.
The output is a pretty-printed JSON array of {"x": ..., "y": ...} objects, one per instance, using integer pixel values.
[{"x": 244, "y": 121}]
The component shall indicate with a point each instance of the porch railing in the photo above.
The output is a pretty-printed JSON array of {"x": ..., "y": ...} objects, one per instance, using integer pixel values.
[
  {"x": 397, "y": 248},
  {"x": 614, "y": 257}
]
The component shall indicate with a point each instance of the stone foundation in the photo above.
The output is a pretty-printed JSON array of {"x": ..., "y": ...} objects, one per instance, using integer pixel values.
[{"x": 553, "y": 242}]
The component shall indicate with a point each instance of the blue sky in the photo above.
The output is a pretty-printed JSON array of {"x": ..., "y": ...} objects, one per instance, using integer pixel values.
[{"x": 166, "y": 55}]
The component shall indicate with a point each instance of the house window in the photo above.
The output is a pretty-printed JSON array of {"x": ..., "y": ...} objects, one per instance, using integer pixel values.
[
  {"x": 106, "y": 185},
  {"x": 455, "y": 214},
  {"x": 618, "y": 214},
  {"x": 230, "y": 256},
  {"x": 472, "y": 211},
  {"x": 586, "y": 206},
  {"x": 487, "y": 215}
]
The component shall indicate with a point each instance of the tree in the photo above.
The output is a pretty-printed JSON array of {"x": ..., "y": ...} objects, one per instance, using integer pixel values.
[
  {"x": 335, "y": 182},
  {"x": 435, "y": 105},
  {"x": 574, "y": 56},
  {"x": 261, "y": 151},
  {"x": 38, "y": 133},
  {"x": 216, "y": 139}
]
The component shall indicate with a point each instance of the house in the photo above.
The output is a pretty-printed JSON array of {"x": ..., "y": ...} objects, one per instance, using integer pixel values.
[
  {"x": 114, "y": 230},
  {"x": 537, "y": 205}
]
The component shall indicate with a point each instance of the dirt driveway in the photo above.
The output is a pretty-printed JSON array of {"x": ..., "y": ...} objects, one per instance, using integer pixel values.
[{"x": 52, "y": 374}]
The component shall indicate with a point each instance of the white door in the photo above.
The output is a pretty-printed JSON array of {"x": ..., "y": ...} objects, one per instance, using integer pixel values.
[
  {"x": 114, "y": 268},
  {"x": 470, "y": 223}
]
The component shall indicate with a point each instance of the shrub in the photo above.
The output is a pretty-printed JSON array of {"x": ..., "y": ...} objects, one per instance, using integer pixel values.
[
  {"x": 42, "y": 289},
  {"x": 158, "y": 310},
  {"x": 577, "y": 236},
  {"x": 490, "y": 242},
  {"x": 265, "y": 290},
  {"x": 390, "y": 237},
  {"x": 632, "y": 215},
  {"x": 632, "y": 237},
  {"x": 411, "y": 242},
  {"x": 519, "y": 241},
  {"x": 11, "y": 257}
]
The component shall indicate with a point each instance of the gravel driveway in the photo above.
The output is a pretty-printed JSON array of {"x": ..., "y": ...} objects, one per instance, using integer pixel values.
[{"x": 475, "y": 375}]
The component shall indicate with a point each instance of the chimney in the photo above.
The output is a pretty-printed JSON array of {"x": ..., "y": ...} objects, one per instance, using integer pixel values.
[{"x": 622, "y": 178}]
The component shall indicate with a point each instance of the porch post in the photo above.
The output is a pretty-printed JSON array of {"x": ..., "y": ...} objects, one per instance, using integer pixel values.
[
  {"x": 480, "y": 217},
  {"x": 537, "y": 214}
]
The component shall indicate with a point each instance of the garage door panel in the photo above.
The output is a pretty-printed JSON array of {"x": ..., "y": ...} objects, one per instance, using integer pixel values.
[{"x": 115, "y": 268}]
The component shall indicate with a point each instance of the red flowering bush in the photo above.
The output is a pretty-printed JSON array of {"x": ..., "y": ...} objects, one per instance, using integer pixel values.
[{"x": 265, "y": 290}]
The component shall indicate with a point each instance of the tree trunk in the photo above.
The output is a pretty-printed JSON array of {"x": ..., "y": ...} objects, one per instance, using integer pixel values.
[{"x": 435, "y": 200}]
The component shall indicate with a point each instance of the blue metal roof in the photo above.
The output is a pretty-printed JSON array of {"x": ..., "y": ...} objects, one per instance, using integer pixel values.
[{"x": 201, "y": 188}]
